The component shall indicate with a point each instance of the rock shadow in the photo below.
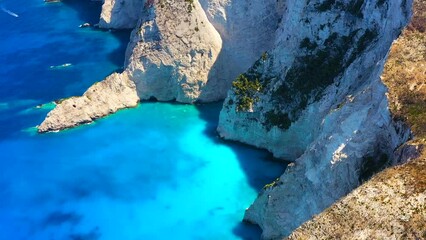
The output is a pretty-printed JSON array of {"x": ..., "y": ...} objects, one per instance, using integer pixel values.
[
  {"x": 247, "y": 231},
  {"x": 249, "y": 157},
  {"x": 119, "y": 54},
  {"x": 89, "y": 12}
]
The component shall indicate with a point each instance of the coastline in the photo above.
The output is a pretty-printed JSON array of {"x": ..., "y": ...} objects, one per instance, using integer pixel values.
[{"x": 230, "y": 130}]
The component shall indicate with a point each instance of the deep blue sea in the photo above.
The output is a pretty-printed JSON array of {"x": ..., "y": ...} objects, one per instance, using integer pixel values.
[{"x": 154, "y": 172}]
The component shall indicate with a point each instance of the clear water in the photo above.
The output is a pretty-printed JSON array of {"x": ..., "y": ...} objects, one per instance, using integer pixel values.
[{"x": 154, "y": 172}]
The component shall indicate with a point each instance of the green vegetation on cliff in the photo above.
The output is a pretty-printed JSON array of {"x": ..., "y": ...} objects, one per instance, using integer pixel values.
[{"x": 245, "y": 89}]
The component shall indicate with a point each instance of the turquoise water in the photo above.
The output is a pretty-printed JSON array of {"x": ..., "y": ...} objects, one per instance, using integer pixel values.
[{"x": 154, "y": 172}]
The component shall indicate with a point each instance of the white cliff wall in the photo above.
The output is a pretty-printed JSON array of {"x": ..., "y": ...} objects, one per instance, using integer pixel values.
[
  {"x": 321, "y": 103},
  {"x": 332, "y": 165},
  {"x": 172, "y": 51},
  {"x": 194, "y": 55},
  {"x": 176, "y": 53},
  {"x": 247, "y": 29},
  {"x": 321, "y": 56}
]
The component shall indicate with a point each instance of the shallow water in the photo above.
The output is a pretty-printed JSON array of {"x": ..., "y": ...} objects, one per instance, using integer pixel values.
[{"x": 153, "y": 172}]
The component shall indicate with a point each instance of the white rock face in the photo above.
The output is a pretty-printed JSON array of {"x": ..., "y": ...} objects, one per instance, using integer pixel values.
[
  {"x": 332, "y": 164},
  {"x": 172, "y": 52},
  {"x": 321, "y": 104},
  {"x": 316, "y": 52},
  {"x": 247, "y": 29},
  {"x": 187, "y": 56},
  {"x": 121, "y": 14}
]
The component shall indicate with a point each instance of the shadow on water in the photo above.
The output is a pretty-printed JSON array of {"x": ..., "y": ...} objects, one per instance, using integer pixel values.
[
  {"x": 247, "y": 231},
  {"x": 118, "y": 55},
  {"x": 89, "y": 12},
  {"x": 257, "y": 178}
]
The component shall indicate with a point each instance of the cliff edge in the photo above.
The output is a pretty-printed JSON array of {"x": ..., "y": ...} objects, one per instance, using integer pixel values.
[{"x": 392, "y": 205}]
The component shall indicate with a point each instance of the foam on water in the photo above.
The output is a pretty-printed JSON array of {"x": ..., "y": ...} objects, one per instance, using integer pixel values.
[{"x": 154, "y": 172}]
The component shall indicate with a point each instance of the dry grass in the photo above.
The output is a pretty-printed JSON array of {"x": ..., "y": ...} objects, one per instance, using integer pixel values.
[
  {"x": 405, "y": 76},
  {"x": 389, "y": 206}
]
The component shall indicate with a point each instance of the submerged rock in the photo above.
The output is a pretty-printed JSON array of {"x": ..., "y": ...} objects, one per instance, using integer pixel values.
[{"x": 62, "y": 66}]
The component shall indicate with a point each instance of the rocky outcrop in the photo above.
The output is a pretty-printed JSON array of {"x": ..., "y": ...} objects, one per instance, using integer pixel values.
[
  {"x": 103, "y": 98},
  {"x": 184, "y": 51},
  {"x": 392, "y": 205},
  {"x": 317, "y": 98},
  {"x": 337, "y": 50}
]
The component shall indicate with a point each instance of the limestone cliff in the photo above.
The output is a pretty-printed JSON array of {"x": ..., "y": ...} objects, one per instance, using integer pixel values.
[
  {"x": 392, "y": 205},
  {"x": 172, "y": 52},
  {"x": 317, "y": 98},
  {"x": 188, "y": 52},
  {"x": 103, "y": 98}
]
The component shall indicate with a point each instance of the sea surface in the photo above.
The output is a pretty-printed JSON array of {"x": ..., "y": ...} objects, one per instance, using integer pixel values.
[{"x": 158, "y": 171}]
